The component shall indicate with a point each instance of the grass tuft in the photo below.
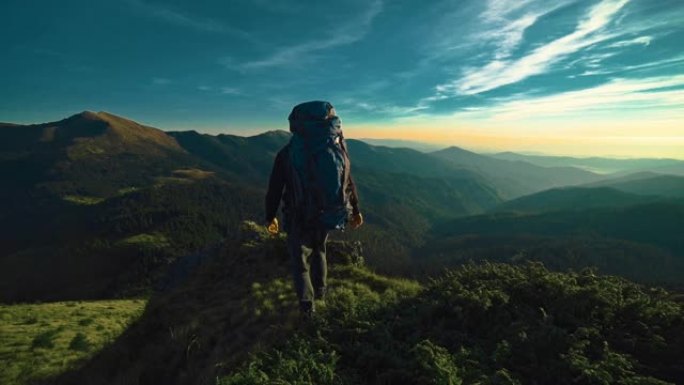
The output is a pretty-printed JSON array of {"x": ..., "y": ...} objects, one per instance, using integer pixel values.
[{"x": 80, "y": 343}]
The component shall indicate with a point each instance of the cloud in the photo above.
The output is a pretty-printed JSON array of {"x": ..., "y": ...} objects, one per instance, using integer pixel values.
[
  {"x": 220, "y": 90},
  {"x": 642, "y": 40},
  {"x": 181, "y": 19},
  {"x": 352, "y": 105},
  {"x": 505, "y": 27},
  {"x": 502, "y": 9},
  {"x": 343, "y": 34},
  {"x": 499, "y": 72},
  {"x": 616, "y": 96},
  {"x": 677, "y": 60},
  {"x": 231, "y": 91},
  {"x": 511, "y": 35}
]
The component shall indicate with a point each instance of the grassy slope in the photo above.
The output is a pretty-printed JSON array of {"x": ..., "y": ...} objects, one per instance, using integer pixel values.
[
  {"x": 241, "y": 301},
  {"x": 488, "y": 324},
  {"x": 236, "y": 320},
  {"x": 40, "y": 340}
]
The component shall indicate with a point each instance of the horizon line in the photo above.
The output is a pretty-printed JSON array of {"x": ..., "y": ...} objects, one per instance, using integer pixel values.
[{"x": 439, "y": 145}]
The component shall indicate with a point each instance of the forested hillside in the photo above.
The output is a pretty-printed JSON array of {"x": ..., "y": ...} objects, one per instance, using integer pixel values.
[{"x": 104, "y": 204}]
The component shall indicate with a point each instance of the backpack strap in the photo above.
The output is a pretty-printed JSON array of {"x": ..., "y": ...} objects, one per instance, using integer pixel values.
[{"x": 347, "y": 169}]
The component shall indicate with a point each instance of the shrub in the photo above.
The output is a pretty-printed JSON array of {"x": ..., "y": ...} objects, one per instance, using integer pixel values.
[
  {"x": 45, "y": 340},
  {"x": 79, "y": 343},
  {"x": 488, "y": 324},
  {"x": 299, "y": 362},
  {"x": 86, "y": 321}
]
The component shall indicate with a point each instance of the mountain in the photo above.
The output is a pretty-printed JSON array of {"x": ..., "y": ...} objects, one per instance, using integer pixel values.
[
  {"x": 87, "y": 154},
  {"x": 248, "y": 158},
  {"x": 598, "y": 164},
  {"x": 574, "y": 198},
  {"x": 655, "y": 223},
  {"x": 404, "y": 161},
  {"x": 399, "y": 143},
  {"x": 641, "y": 241},
  {"x": 87, "y": 132},
  {"x": 646, "y": 183},
  {"x": 105, "y": 204},
  {"x": 98, "y": 206},
  {"x": 515, "y": 178},
  {"x": 424, "y": 189}
]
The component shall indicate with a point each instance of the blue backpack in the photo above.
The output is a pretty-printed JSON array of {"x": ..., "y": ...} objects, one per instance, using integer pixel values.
[{"x": 319, "y": 167}]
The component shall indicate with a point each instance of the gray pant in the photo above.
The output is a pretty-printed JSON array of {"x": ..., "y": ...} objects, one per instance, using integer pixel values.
[{"x": 309, "y": 266}]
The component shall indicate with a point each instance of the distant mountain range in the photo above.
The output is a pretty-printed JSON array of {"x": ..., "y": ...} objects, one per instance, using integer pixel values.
[
  {"x": 400, "y": 143},
  {"x": 574, "y": 198},
  {"x": 600, "y": 165},
  {"x": 515, "y": 178},
  {"x": 119, "y": 199},
  {"x": 102, "y": 204},
  {"x": 646, "y": 183}
]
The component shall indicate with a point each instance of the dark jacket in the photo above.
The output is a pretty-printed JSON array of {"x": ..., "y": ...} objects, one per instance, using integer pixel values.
[{"x": 278, "y": 187}]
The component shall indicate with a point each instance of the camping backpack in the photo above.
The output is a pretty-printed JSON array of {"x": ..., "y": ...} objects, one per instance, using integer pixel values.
[{"x": 319, "y": 167}]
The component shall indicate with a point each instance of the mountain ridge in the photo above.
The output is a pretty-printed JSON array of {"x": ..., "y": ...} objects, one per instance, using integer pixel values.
[
  {"x": 599, "y": 164},
  {"x": 515, "y": 178}
]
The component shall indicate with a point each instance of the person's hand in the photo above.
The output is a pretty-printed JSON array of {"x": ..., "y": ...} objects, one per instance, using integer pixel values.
[
  {"x": 356, "y": 221},
  {"x": 273, "y": 227}
]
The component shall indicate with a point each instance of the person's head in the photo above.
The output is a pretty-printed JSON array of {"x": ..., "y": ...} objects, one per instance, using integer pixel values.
[{"x": 316, "y": 110}]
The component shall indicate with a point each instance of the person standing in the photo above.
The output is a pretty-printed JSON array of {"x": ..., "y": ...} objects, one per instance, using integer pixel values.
[{"x": 311, "y": 175}]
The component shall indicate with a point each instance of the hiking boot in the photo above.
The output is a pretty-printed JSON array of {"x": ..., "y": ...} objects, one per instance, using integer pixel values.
[
  {"x": 306, "y": 309},
  {"x": 319, "y": 293}
]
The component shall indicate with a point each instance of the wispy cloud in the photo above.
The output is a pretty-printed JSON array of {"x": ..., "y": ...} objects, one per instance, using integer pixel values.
[
  {"x": 353, "y": 105},
  {"x": 231, "y": 91},
  {"x": 498, "y": 72},
  {"x": 342, "y": 34},
  {"x": 616, "y": 96},
  {"x": 225, "y": 90},
  {"x": 505, "y": 24},
  {"x": 182, "y": 19},
  {"x": 501, "y": 9},
  {"x": 642, "y": 40}
]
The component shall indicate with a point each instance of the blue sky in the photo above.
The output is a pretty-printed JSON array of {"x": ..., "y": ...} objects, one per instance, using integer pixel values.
[{"x": 578, "y": 77}]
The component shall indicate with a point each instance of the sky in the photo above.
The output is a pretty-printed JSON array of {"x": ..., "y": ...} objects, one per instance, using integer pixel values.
[{"x": 571, "y": 77}]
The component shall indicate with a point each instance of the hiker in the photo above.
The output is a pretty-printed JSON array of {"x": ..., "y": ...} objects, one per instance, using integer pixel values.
[{"x": 311, "y": 175}]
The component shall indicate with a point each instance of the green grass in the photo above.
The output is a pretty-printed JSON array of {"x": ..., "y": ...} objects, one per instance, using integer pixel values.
[
  {"x": 145, "y": 240},
  {"x": 127, "y": 190},
  {"x": 192, "y": 173},
  {"x": 83, "y": 200},
  {"x": 38, "y": 341},
  {"x": 235, "y": 321},
  {"x": 490, "y": 324}
]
